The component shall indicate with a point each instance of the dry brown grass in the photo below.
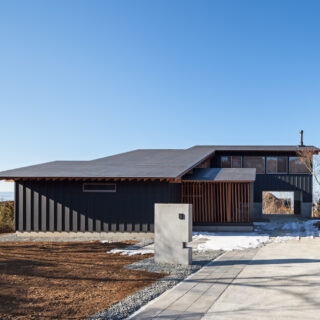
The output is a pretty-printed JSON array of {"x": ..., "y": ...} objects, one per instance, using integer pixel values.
[
  {"x": 273, "y": 205},
  {"x": 316, "y": 210},
  {"x": 315, "y": 214},
  {"x": 46, "y": 280}
]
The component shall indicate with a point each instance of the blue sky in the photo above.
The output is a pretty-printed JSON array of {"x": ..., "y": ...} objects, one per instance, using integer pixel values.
[{"x": 85, "y": 79}]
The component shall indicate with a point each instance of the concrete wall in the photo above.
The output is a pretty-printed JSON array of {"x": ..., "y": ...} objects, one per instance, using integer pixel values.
[
  {"x": 306, "y": 209},
  {"x": 173, "y": 229}
]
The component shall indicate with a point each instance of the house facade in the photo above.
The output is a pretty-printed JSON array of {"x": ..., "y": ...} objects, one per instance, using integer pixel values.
[{"x": 225, "y": 184}]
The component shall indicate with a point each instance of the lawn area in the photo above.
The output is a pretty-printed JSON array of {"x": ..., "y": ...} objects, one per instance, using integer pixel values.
[{"x": 65, "y": 280}]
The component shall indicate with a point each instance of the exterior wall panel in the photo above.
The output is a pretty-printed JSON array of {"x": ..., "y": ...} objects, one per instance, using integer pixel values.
[
  {"x": 35, "y": 211},
  {"x": 43, "y": 212},
  {"x": 283, "y": 182},
  {"x": 16, "y": 206},
  {"x": 52, "y": 214},
  {"x": 59, "y": 216},
  {"x": 63, "y": 206},
  {"x": 21, "y": 207},
  {"x": 28, "y": 209},
  {"x": 66, "y": 219},
  {"x": 273, "y": 182}
]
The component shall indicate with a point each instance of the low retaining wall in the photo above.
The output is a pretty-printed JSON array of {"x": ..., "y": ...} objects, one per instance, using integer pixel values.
[{"x": 88, "y": 235}]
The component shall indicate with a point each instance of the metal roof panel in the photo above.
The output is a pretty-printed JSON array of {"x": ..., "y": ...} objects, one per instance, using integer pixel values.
[{"x": 222, "y": 175}]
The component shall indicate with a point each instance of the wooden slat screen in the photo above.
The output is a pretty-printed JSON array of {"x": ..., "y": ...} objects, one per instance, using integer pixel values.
[{"x": 213, "y": 202}]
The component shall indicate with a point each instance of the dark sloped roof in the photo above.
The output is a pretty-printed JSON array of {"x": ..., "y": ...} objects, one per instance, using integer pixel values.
[
  {"x": 163, "y": 163},
  {"x": 144, "y": 163},
  {"x": 261, "y": 148},
  {"x": 225, "y": 174}
]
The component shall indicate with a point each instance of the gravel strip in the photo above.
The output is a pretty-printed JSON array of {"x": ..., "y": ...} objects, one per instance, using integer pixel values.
[
  {"x": 130, "y": 304},
  {"x": 118, "y": 237}
]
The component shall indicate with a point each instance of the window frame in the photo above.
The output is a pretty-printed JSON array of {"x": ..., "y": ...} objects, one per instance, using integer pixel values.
[
  {"x": 265, "y": 157},
  {"x": 292, "y": 197},
  {"x": 241, "y": 162},
  {"x": 306, "y": 173},
  {"x": 266, "y": 165},
  {"x": 104, "y": 191},
  {"x": 221, "y": 162},
  {"x": 231, "y": 157}
]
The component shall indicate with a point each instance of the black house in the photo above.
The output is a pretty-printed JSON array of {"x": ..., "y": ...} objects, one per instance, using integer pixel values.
[{"x": 117, "y": 193}]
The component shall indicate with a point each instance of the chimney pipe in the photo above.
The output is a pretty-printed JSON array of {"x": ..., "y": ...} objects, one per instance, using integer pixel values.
[{"x": 301, "y": 138}]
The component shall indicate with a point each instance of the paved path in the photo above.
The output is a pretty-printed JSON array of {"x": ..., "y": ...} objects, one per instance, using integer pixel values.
[{"x": 277, "y": 281}]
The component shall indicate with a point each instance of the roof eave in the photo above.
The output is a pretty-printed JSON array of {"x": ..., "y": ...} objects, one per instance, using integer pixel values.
[
  {"x": 196, "y": 164},
  {"x": 16, "y": 178}
]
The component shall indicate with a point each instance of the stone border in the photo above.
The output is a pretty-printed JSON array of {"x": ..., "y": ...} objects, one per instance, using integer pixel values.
[{"x": 74, "y": 236}]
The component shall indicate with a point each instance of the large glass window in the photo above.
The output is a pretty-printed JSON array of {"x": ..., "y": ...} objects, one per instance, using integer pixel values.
[
  {"x": 231, "y": 162},
  {"x": 254, "y": 162},
  {"x": 277, "y": 165},
  {"x": 296, "y": 166},
  {"x": 226, "y": 162},
  {"x": 236, "y": 161}
]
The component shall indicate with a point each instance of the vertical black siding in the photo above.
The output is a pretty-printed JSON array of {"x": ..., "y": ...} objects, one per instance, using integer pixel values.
[
  {"x": 28, "y": 209},
  {"x": 36, "y": 211},
  {"x": 273, "y": 182},
  {"x": 16, "y": 196},
  {"x": 21, "y": 207},
  {"x": 283, "y": 182},
  {"x": 43, "y": 211},
  {"x": 63, "y": 206}
]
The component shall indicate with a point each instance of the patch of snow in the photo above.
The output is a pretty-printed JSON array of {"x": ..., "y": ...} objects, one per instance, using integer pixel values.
[
  {"x": 264, "y": 232},
  {"x": 266, "y": 226},
  {"x": 285, "y": 238},
  {"x": 107, "y": 241},
  {"x": 291, "y": 226},
  {"x": 131, "y": 252},
  {"x": 292, "y": 229},
  {"x": 228, "y": 241}
]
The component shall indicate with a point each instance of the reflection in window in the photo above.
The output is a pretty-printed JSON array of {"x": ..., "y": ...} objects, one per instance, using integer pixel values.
[
  {"x": 236, "y": 161},
  {"x": 254, "y": 162},
  {"x": 231, "y": 162},
  {"x": 277, "y": 165},
  {"x": 226, "y": 162},
  {"x": 296, "y": 166},
  {"x": 278, "y": 202}
]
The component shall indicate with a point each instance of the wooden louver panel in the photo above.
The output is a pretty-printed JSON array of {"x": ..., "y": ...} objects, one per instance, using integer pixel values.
[{"x": 213, "y": 202}]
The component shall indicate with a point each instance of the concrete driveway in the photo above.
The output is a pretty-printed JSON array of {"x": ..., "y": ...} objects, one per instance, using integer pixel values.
[{"x": 276, "y": 281}]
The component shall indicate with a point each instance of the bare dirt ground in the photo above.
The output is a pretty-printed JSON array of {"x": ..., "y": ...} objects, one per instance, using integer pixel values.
[{"x": 51, "y": 280}]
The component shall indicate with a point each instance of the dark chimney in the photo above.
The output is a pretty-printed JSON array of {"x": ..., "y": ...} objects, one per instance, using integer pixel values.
[{"x": 301, "y": 138}]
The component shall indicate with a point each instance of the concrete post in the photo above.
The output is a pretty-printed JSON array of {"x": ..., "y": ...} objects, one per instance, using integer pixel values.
[
  {"x": 173, "y": 229},
  {"x": 306, "y": 210}
]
